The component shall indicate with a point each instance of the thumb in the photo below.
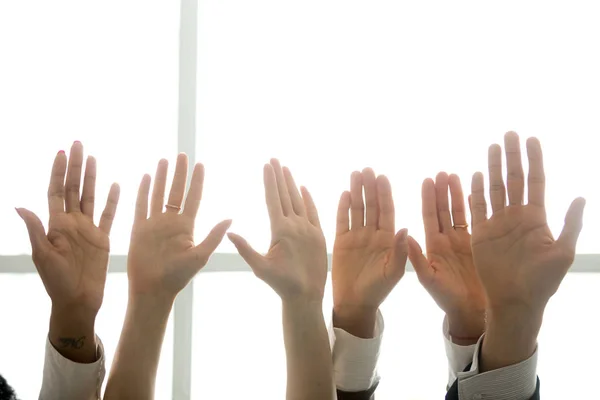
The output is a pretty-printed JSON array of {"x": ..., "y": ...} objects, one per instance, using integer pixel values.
[
  {"x": 212, "y": 241},
  {"x": 418, "y": 260},
  {"x": 573, "y": 224},
  {"x": 252, "y": 257},
  {"x": 396, "y": 268},
  {"x": 40, "y": 246}
]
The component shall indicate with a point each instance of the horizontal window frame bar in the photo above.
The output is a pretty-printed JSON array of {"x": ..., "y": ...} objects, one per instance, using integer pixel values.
[{"x": 232, "y": 262}]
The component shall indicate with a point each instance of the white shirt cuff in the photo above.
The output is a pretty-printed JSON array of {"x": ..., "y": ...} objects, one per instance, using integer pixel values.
[
  {"x": 458, "y": 356},
  {"x": 515, "y": 382},
  {"x": 65, "y": 379},
  {"x": 355, "y": 359}
]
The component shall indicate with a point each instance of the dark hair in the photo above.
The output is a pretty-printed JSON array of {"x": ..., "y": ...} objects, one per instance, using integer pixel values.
[{"x": 6, "y": 392}]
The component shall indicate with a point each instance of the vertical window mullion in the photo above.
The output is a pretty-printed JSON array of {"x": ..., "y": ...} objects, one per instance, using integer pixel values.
[{"x": 186, "y": 142}]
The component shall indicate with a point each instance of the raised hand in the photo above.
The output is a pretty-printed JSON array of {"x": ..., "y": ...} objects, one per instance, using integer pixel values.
[
  {"x": 163, "y": 257},
  {"x": 72, "y": 259},
  {"x": 519, "y": 262},
  {"x": 162, "y": 260},
  {"x": 296, "y": 264},
  {"x": 369, "y": 257},
  {"x": 517, "y": 258},
  {"x": 448, "y": 272},
  {"x": 296, "y": 268}
]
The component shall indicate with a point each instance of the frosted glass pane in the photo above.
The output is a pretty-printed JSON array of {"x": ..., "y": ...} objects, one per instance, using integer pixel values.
[
  {"x": 408, "y": 88},
  {"x": 102, "y": 73}
]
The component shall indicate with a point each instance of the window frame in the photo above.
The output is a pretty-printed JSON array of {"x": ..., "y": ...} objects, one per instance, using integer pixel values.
[{"x": 219, "y": 262}]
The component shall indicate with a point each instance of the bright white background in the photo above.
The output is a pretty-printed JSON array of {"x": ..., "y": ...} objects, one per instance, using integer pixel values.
[{"x": 408, "y": 88}]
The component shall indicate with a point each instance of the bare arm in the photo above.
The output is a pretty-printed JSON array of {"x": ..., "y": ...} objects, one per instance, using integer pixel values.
[
  {"x": 162, "y": 260},
  {"x": 296, "y": 268}
]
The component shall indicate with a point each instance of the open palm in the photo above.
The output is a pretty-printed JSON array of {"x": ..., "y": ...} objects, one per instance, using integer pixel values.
[
  {"x": 369, "y": 257},
  {"x": 516, "y": 255},
  {"x": 72, "y": 259},
  {"x": 296, "y": 264},
  {"x": 448, "y": 272},
  {"x": 163, "y": 257}
]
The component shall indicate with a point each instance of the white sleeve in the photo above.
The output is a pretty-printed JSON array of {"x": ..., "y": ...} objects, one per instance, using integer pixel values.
[
  {"x": 65, "y": 379},
  {"x": 458, "y": 356},
  {"x": 515, "y": 382},
  {"x": 355, "y": 359}
]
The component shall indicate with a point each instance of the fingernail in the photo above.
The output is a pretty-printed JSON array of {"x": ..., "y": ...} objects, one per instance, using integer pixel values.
[
  {"x": 60, "y": 152},
  {"x": 18, "y": 210},
  {"x": 403, "y": 233}
]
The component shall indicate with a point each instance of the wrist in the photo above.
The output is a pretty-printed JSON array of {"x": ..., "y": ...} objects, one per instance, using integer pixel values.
[
  {"x": 466, "y": 326},
  {"x": 72, "y": 318},
  {"x": 160, "y": 303},
  {"x": 72, "y": 334},
  {"x": 356, "y": 320},
  {"x": 511, "y": 336}
]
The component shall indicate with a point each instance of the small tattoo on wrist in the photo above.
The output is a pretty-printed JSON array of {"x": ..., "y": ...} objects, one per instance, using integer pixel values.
[{"x": 72, "y": 343}]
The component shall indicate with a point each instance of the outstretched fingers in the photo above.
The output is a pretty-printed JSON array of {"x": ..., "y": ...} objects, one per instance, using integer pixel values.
[
  {"x": 56, "y": 189},
  {"x": 343, "y": 214},
  {"x": 158, "y": 191},
  {"x": 108, "y": 215},
  {"x": 311, "y": 209},
  {"x": 88, "y": 193},
  {"x": 73, "y": 182},
  {"x": 255, "y": 260},
  {"x": 478, "y": 203},
  {"x": 573, "y": 225},
  {"x": 203, "y": 251}
]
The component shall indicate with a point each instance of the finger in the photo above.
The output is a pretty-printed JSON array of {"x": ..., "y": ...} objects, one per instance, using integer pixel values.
[
  {"x": 296, "y": 199},
  {"x": 459, "y": 216},
  {"x": 497, "y": 189},
  {"x": 418, "y": 260},
  {"x": 282, "y": 189},
  {"x": 357, "y": 206},
  {"x": 194, "y": 196},
  {"x": 371, "y": 204},
  {"x": 343, "y": 214},
  {"x": 255, "y": 260},
  {"x": 108, "y": 215},
  {"x": 429, "y": 208},
  {"x": 573, "y": 224},
  {"x": 387, "y": 212},
  {"x": 394, "y": 270},
  {"x": 536, "y": 181},
  {"x": 515, "y": 179},
  {"x": 141, "y": 204},
  {"x": 442, "y": 204},
  {"x": 56, "y": 189},
  {"x": 89, "y": 188},
  {"x": 73, "y": 181},
  {"x": 471, "y": 209},
  {"x": 272, "y": 194},
  {"x": 311, "y": 209},
  {"x": 203, "y": 251},
  {"x": 40, "y": 245},
  {"x": 478, "y": 204},
  {"x": 158, "y": 191},
  {"x": 178, "y": 186}
]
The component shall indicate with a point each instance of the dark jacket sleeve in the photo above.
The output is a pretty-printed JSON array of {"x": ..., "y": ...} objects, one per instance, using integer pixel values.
[
  {"x": 453, "y": 392},
  {"x": 366, "y": 395}
]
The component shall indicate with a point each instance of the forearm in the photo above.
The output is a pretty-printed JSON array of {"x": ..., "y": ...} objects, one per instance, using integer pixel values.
[
  {"x": 72, "y": 334},
  {"x": 309, "y": 364},
  {"x": 511, "y": 337},
  {"x": 133, "y": 372}
]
